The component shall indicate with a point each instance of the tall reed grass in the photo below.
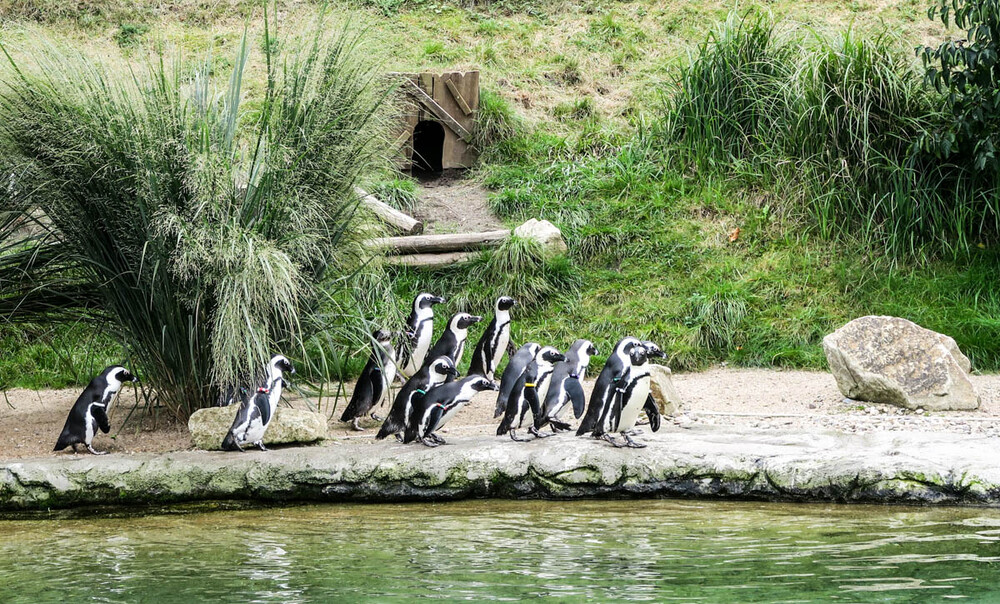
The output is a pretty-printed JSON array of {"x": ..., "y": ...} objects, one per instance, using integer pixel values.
[
  {"x": 834, "y": 122},
  {"x": 205, "y": 229}
]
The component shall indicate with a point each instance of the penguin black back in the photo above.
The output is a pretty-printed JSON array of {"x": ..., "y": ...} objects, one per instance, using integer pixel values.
[
  {"x": 451, "y": 344},
  {"x": 515, "y": 367},
  {"x": 494, "y": 341},
  {"x": 606, "y": 382},
  {"x": 373, "y": 383}
]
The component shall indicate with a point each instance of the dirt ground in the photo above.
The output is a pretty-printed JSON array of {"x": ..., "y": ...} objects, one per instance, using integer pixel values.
[
  {"x": 752, "y": 398},
  {"x": 449, "y": 204}
]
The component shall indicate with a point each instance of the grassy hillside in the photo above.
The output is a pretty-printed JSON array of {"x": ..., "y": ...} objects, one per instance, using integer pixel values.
[{"x": 576, "y": 91}]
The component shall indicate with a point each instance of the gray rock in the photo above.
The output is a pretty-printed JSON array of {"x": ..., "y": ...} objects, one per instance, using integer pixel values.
[
  {"x": 661, "y": 386},
  {"x": 895, "y": 361},
  {"x": 694, "y": 462},
  {"x": 545, "y": 233},
  {"x": 209, "y": 426}
]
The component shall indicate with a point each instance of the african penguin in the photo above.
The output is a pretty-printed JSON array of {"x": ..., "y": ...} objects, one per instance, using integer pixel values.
[
  {"x": 419, "y": 334},
  {"x": 372, "y": 388},
  {"x": 255, "y": 412},
  {"x": 435, "y": 372},
  {"x": 451, "y": 344},
  {"x": 517, "y": 365},
  {"x": 525, "y": 395},
  {"x": 566, "y": 385},
  {"x": 90, "y": 411},
  {"x": 652, "y": 351},
  {"x": 604, "y": 388},
  {"x": 631, "y": 396},
  {"x": 441, "y": 403},
  {"x": 494, "y": 341}
]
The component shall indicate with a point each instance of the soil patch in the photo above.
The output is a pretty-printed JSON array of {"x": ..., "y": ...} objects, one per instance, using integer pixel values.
[{"x": 449, "y": 203}]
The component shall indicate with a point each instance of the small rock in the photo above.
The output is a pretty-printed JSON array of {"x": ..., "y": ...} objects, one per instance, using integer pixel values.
[
  {"x": 661, "y": 386},
  {"x": 545, "y": 233},
  {"x": 812, "y": 405}
]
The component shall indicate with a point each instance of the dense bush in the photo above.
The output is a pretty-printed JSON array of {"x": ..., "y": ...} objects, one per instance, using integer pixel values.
[{"x": 204, "y": 229}]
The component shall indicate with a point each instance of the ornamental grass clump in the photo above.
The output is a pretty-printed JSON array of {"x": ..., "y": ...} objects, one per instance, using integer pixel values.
[{"x": 205, "y": 227}]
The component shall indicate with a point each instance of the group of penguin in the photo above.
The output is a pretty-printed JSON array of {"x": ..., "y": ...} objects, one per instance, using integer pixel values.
[{"x": 537, "y": 378}]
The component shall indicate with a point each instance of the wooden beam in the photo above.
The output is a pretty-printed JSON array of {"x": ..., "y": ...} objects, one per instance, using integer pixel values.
[
  {"x": 431, "y": 260},
  {"x": 458, "y": 97},
  {"x": 424, "y": 99},
  {"x": 429, "y": 244},
  {"x": 390, "y": 215}
]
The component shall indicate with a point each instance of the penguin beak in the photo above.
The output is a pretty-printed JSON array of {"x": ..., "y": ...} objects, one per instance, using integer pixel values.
[
  {"x": 452, "y": 371},
  {"x": 475, "y": 319},
  {"x": 437, "y": 300},
  {"x": 494, "y": 386}
]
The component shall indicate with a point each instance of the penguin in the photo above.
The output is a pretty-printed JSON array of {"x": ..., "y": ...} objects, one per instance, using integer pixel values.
[
  {"x": 652, "y": 350},
  {"x": 525, "y": 395},
  {"x": 566, "y": 386},
  {"x": 90, "y": 411},
  {"x": 419, "y": 334},
  {"x": 256, "y": 411},
  {"x": 630, "y": 398},
  {"x": 431, "y": 412},
  {"x": 372, "y": 388},
  {"x": 607, "y": 381},
  {"x": 451, "y": 344},
  {"x": 431, "y": 374},
  {"x": 494, "y": 341},
  {"x": 515, "y": 367}
]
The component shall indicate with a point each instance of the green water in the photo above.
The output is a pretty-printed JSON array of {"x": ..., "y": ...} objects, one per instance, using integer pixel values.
[{"x": 571, "y": 551}]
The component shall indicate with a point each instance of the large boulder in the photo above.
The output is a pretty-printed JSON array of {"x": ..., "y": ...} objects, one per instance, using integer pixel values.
[
  {"x": 545, "y": 233},
  {"x": 895, "y": 361},
  {"x": 661, "y": 386},
  {"x": 209, "y": 426}
]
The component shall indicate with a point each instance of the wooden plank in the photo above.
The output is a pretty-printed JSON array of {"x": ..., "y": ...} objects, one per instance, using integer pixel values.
[
  {"x": 390, "y": 215},
  {"x": 440, "y": 113},
  {"x": 431, "y": 260},
  {"x": 458, "y": 97},
  {"x": 455, "y": 242},
  {"x": 401, "y": 140}
]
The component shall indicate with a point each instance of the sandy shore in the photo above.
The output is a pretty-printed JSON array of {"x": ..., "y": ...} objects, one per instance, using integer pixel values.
[{"x": 743, "y": 398}]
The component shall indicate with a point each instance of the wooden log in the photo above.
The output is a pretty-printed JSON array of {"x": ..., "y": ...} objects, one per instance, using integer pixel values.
[
  {"x": 431, "y": 244},
  {"x": 390, "y": 215},
  {"x": 431, "y": 260}
]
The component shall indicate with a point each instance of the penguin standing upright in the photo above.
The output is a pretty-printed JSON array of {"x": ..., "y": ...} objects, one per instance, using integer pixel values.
[
  {"x": 494, "y": 341},
  {"x": 566, "y": 386},
  {"x": 435, "y": 372},
  {"x": 439, "y": 405},
  {"x": 630, "y": 397},
  {"x": 607, "y": 382},
  {"x": 257, "y": 411},
  {"x": 451, "y": 344},
  {"x": 372, "y": 388},
  {"x": 90, "y": 411},
  {"x": 525, "y": 396},
  {"x": 419, "y": 334},
  {"x": 515, "y": 367}
]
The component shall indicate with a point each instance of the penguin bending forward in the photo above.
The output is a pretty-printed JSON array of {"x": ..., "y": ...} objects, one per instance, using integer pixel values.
[
  {"x": 439, "y": 405},
  {"x": 257, "y": 411},
  {"x": 517, "y": 365},
  {"x": 607, "y": 382},
  {"x": 566, "y": 386},
  {"x": 431, "y": 374},
  {"x": 451, "y": 344},
  {"x": 90, "y": 411},
  {"x": 495, "y": 340},
  {"x": 372, "y": 387},
  {"x": 419, "y": 334},
  {"x": 525, "y": 395},
  {"x": 631, "y": 396}
]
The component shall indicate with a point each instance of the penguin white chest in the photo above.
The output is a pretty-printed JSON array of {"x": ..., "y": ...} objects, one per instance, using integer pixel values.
[
  {"x": 255, "y": 431},
  {"x": 632, "y": 408},
  {"x": 425, "y": 334},
  {"x": 502, "y": 342},
  {"x": 388, "y": 375}
]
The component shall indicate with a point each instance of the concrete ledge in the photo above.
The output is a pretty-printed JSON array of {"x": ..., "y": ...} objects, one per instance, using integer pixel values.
[{"x": 899, "y": 467}]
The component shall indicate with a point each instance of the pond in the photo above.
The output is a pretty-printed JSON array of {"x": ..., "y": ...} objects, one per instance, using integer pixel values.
[{"x": 662, "y": 550}]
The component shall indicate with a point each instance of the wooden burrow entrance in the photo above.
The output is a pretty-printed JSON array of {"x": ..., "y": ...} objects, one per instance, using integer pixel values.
[{"x": 440, "y": 111}]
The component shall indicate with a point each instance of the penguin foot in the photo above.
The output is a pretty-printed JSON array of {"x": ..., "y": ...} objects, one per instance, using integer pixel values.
[
  {"x": 642, "y": 422},
  {"x": 74, "y": 448},
  {"x": 611, "y": 439},
  {"x": 357, "y": 426},
  {"x": 634, "y": 431},
  {"x": 558, "y": 426},
  {"x": 533, "y": 431},
  {"x": 398, "y": 436},
  {"x": 376, "y": 418},
  {"x": 427, "y": 442},
  {"x": 260, "y": 445},
  {"x": 437, "y": 439},
  {"x": 631, "y": 443},
  {"x": 93, "y": 450},
  {"x": 515, "y": 437}
]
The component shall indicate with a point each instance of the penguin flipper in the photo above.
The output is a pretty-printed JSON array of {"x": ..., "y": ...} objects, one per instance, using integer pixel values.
[
  {"x": 574, "y": 389},
  {"x": 653, "y": 413},
  {"x": 99, "y": 413},
  {"x": 364, "y": 393}
]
